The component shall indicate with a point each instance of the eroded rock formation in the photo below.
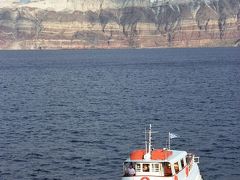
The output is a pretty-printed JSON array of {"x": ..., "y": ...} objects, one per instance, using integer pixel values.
[{"x": 120, "y": 24}]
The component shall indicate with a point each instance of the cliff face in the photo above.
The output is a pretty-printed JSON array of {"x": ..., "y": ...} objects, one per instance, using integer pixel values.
[{"x": 120, "y": 24}]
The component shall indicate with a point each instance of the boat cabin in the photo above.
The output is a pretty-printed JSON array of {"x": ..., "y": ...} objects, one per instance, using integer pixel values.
[{"x": 160, "y": 163}]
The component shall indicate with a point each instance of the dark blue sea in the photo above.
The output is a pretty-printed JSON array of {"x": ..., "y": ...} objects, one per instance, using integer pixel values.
[{"x": 77, "y": 114}]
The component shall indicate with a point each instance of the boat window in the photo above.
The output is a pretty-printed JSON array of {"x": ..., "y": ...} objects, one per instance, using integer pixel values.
[
  {"x": 176, "y": 167},
  {"x": 167, "y": 169},
  {"x": 145, "y": 167},
  {"x": 182, "y": 163},
  {"x": 138, "y": 167},
  {"x": 185, "y": 163},
  {"x": 155, "y": 168}
]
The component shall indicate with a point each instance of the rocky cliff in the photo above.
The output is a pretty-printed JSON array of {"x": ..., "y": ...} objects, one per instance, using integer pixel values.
[{"x": 46, "y": 24}]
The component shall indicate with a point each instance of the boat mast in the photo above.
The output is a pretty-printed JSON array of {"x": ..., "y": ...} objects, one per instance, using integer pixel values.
[
  {"x": 169, "y": 141},
  {"x": 146, "y": 148},
  {"x": 148, "y": 144},
  {"x": 150, "y": 139}
]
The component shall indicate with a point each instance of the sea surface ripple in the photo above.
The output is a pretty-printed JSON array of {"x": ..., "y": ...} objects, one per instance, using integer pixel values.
[{"x": 78, "y": 114}]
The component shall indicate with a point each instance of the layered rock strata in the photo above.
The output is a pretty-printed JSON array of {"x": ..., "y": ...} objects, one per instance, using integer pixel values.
[{"x": 121, "y": 24}]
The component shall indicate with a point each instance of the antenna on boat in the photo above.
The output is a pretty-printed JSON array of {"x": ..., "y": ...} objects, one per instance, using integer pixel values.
[
  {"x": 169, "y": 141},
  {"x": 146, "y": 141},
  {"x": 150, "y": 139},
  {"x": 148, "y": 145}
]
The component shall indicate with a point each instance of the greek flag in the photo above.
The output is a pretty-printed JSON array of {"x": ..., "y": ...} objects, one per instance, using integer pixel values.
[{"x": 172, "y": 135}]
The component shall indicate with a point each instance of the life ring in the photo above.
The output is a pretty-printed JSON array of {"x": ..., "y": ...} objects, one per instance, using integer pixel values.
[
  {"x": 187, "y": 171},
  {"x": 145, "y": 178}
]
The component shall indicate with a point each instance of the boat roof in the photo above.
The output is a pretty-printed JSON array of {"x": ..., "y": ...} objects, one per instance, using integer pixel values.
[{"x": 175, "y": 156}]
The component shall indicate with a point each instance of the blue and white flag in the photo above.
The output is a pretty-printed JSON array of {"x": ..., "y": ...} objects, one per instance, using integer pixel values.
[{"x": 172, "y": 135}]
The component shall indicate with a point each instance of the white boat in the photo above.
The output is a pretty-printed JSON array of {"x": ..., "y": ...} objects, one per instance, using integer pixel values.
[{"x": 160, "y": 164}]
